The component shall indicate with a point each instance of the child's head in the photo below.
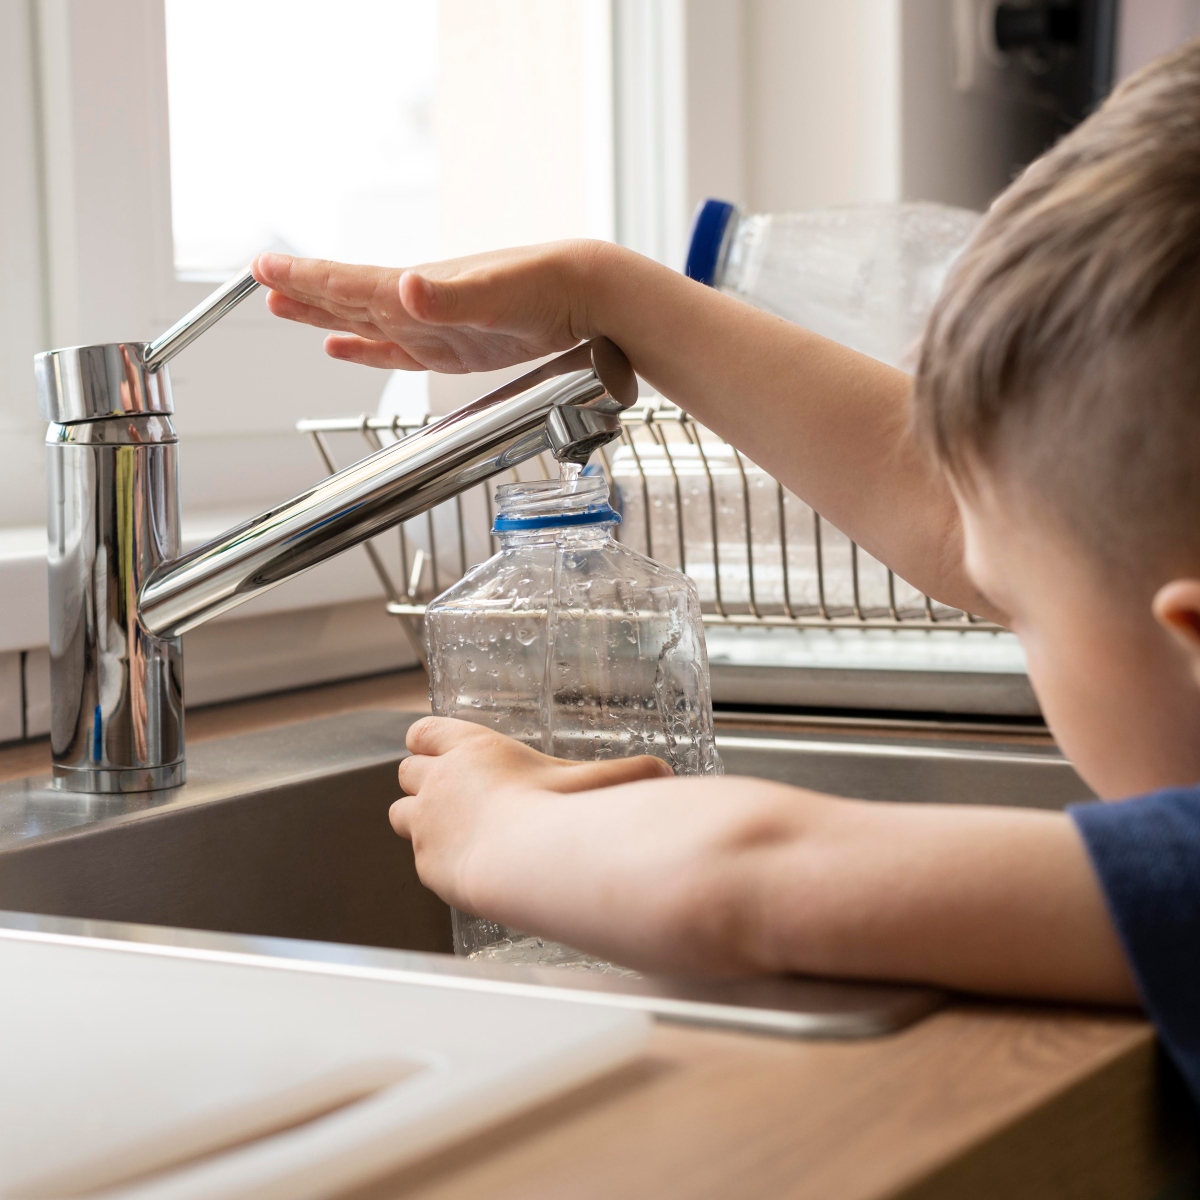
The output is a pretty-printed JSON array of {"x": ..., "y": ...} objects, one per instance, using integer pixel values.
[{"x": 1059, "y": 385}]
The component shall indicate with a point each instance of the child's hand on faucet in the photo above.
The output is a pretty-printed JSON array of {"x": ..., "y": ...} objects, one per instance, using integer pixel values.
[{"x": 477, "y": 313}]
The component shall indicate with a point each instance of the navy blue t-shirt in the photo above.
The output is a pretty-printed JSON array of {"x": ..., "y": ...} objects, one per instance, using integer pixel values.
[{"x": 1146, "y": 852}]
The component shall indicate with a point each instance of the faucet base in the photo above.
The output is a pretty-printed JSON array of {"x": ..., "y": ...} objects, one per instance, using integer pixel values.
[{"x": 140, "y": 779}]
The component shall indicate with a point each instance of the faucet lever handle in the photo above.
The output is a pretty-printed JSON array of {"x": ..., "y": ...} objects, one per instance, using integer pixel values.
[{"x": 206, "y": 314}]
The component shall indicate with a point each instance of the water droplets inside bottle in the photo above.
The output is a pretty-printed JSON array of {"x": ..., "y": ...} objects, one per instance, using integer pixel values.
[{"x": 573, "y": 644}]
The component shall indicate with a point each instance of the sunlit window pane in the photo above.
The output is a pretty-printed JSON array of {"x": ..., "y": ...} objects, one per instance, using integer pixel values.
[{"x": 302, "y": 125}]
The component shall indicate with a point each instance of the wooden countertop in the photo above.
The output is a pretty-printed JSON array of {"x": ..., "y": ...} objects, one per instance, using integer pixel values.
[{"x": 978, "y": 1101}]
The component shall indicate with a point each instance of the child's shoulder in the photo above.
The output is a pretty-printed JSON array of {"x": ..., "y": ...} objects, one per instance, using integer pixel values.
[
  {"x": 1146, "y": 854},
  {"x": 1167, "y": 818}
]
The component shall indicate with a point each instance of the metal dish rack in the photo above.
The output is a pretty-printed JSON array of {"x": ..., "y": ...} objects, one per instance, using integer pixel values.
[{"x": 761, "y": 558}]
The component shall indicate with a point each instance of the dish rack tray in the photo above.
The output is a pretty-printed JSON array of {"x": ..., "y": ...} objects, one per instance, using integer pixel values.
[{"x": 761, "y": 558}]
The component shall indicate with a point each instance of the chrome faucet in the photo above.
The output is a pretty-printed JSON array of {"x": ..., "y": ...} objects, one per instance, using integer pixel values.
[{"x": 121, "y": 595}]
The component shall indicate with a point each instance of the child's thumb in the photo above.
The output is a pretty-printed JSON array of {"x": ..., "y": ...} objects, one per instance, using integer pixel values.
[
  {"x": 446, "y": 301},
  {"x": 585, "y": 776}
]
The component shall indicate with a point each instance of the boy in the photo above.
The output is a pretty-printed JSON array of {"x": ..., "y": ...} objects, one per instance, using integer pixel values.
[{"x": 1043, "y": 470}]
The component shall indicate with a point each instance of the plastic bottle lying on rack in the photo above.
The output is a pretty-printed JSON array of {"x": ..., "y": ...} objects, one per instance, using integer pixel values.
[
  {"x": 573, "y": 644},
  {"x": 864, "y": 275},
  {"x": 692, "y": 501}
]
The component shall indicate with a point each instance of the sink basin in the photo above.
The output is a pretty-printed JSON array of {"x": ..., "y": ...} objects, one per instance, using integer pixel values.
[
  {"x": 276, "y": 832},
  {"x": 283, "y": 834}
]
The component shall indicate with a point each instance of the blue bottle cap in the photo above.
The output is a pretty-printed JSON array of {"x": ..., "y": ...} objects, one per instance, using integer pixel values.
[{"x": 709, "y": 226}]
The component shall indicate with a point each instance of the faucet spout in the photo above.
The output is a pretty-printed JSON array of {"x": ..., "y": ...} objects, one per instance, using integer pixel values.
[{"x": 568, "y": 406}]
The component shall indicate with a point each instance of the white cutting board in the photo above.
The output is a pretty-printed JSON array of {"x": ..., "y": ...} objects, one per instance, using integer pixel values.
[{"x": 120, "y": 1065}]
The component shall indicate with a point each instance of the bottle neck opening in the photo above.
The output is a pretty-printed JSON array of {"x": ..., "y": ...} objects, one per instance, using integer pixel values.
[{"x": 548, "y": 504}]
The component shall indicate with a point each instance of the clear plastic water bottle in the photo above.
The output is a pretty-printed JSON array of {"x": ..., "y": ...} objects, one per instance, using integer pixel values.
[
  {"x": 574, "y": 644},
  {"x": 864, "y": 275}
]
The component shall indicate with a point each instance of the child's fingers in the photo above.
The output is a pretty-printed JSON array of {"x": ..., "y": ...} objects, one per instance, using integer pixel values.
[
  {"x": 370, "y": 352},
  {"x": 323, "y": 283},
  {"x": 411, "y": 772},
  {"x": 400, "y": 816},
  {"x": 344, "y": 320},
  {"x": 421, "y": 735},
  {"x": 436, "y": 735}
]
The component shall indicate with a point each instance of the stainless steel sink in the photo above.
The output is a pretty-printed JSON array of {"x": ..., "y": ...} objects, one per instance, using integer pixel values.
[
  {"x": 908, "y": 769},
  {"x": 283, "y": 834}
]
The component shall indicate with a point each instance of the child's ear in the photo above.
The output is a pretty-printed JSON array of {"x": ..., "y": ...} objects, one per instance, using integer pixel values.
[{"x": 1176, "y": 607}]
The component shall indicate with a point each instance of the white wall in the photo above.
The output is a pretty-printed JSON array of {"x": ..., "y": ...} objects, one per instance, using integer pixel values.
[
  {"x": 801, "y": 103},
  {"x": 822, "y": 102},
  {"x": 775, "y": 104},
  {"x": 716, "y": 101},
  {"x": 1149, "y": 28},
  {"x": 22, "y": 297},
  {"x": 963, "y": 135},
  {"x": 23, "y": 322}
]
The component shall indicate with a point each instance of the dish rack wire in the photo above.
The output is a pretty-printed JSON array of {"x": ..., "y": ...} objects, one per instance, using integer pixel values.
[{"x": 760, "y": 556}]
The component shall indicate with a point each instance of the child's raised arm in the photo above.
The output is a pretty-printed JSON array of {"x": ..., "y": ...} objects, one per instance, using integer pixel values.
[{"x": 831, "y": 424}]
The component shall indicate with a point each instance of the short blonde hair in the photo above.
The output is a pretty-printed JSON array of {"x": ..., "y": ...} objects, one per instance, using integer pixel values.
[{"x": 1064, "y": 352}]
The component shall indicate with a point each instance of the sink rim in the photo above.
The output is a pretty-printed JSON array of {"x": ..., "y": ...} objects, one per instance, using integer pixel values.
[
  {"x": 789, "y": 1006},
  {"x": 911, "y": 748},
  {"x": 221, "y": 770},
  {"x": 228, "y": 769}
]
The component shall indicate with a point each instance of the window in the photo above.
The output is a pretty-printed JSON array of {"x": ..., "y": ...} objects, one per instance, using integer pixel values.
[{"x": 337, "y": 161}]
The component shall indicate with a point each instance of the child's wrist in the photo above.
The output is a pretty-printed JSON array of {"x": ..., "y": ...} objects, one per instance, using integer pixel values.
[
  {"x": 497, "y": 865},
  {"x": 601, "y": 282}
]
